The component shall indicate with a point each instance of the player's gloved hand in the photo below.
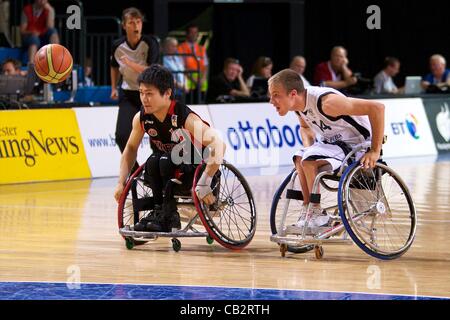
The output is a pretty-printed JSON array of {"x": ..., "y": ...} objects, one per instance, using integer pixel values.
[{"x": 203, "y": 189}]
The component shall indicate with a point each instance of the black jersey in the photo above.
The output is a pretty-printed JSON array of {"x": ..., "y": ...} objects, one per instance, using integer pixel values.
[{"x": 165, "y": 135}]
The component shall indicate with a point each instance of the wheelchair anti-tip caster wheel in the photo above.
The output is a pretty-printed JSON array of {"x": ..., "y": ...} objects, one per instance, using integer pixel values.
[
  {"x": 318, "y": 251},
  {"x": 209, "y": 240},
  {"x": 283, "y": 249},
  {"x": 129, "y": 243},
  {"x": 176, "y": 245}
]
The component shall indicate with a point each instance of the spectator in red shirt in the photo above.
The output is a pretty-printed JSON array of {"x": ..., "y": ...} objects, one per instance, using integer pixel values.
[
  {"x": 38, "y": 26},
  {"x": 334, "y": 73}
]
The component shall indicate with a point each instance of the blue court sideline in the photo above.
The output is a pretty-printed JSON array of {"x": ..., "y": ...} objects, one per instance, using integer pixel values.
[{"x": 87, "y": 291}]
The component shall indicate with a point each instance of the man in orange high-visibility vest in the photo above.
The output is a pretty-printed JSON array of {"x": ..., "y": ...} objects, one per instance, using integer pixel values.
[{"x": 200, "y": 61}]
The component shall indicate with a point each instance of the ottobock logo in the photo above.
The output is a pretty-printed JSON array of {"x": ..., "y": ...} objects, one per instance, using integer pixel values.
[
  {"x": 410, "y": 126},
  {"x": 443, "y": 122},
  {"x": 266, "y": 136}
]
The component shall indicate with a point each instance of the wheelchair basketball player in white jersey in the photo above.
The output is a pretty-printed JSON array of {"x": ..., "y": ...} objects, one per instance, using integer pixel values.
[{"x": 330, "y": 125}]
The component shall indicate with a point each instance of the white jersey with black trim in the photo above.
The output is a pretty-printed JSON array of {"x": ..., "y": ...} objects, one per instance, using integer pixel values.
[{"x": 350, "y": 129}]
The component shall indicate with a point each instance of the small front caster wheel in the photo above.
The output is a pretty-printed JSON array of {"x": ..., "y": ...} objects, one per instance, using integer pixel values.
[
  {"x": 129, "y": 243},
  {"x": 318, "y": 251},
  {"x": 176, "y": 245},
  {"x": 283, "y": 249}
]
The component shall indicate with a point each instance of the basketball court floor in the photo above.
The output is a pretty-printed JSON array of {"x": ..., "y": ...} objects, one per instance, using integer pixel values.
[{"x": 59, "y": 240}]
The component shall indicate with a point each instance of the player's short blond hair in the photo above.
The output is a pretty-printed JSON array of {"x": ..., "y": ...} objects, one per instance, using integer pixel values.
[{"x": 289, "y": 79}]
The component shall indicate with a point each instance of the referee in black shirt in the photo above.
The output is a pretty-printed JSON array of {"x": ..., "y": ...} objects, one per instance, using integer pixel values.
[{"x": 131, "y": 55}]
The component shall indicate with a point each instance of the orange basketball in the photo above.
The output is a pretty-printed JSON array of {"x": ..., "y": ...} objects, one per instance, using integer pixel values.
[{"x": 53, "y": 63}]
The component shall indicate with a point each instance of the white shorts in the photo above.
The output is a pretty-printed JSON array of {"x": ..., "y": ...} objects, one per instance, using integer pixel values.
[{"x": 331, "y": 153}]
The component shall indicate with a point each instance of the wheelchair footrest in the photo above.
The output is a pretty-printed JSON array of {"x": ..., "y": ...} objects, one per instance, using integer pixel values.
[
  {"x": 310, "y": 231},
  {"x": 154, "y": 235},
  {"x": 297, "y": 241}
]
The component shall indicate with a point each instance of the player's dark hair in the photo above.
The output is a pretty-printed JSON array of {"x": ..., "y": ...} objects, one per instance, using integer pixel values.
[
  {"x": 289, "y": 79},
  {"x": 16, "y": 63},
  {"x": 159, "y": 77}
]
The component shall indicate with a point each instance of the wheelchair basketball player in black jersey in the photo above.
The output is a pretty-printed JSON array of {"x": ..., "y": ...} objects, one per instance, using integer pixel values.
[{"x": 177, "y": 138}]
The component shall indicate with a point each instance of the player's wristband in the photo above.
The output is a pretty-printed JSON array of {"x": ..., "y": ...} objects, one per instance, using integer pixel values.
[{"x": 203, "y": 187}]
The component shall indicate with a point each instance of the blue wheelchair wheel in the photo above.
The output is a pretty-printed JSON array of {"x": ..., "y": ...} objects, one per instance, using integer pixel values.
[{"x": 377, "y": 210}]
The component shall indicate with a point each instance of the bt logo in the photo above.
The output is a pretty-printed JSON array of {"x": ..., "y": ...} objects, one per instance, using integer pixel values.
[{"x": 410, "y": 125}]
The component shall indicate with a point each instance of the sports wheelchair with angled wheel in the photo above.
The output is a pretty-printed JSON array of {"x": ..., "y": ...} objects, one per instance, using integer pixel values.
[
  {"x": 372, "y": 207},
  {"x": 231, "y": 220}
]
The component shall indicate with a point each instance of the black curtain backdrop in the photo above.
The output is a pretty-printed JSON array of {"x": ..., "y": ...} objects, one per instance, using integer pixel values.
[
  {"x": 410, "y": 30},
  {"x": 247, "y": 31}
]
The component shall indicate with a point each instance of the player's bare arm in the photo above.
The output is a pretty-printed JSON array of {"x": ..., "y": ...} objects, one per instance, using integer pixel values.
[
  {"x": 211, "y": 139},
  {"x": 129, "y": 155},
  {"x": 306, "y": 133},
  {"x": 335, "y": 106}
]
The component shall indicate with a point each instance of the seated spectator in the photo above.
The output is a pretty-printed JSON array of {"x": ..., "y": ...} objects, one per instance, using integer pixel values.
[
  {"x": 439, "y": 76},
  {"x": 335, "y": 72},
  {"x": 228, "y": 83},
  {"x": 38, "y": 26},
  {"x": 87, "y": 81},
  {"x": 262, "y": 69},
  {"x": 298, "y": 64},
  {"x": 383, "y": 82},
  {"x": 11, "y": 67},
  {"x": 175, "y": 64}
]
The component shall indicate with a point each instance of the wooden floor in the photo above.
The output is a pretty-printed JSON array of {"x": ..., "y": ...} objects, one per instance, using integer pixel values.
[{"x": 48, "y": 229}]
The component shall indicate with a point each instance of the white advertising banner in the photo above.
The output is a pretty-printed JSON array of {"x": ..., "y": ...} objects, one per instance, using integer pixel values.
[
  {"x": 98, "y": 126},
  {"x": 255, "y": 135},
  {"x": 407, "y": 128}
]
